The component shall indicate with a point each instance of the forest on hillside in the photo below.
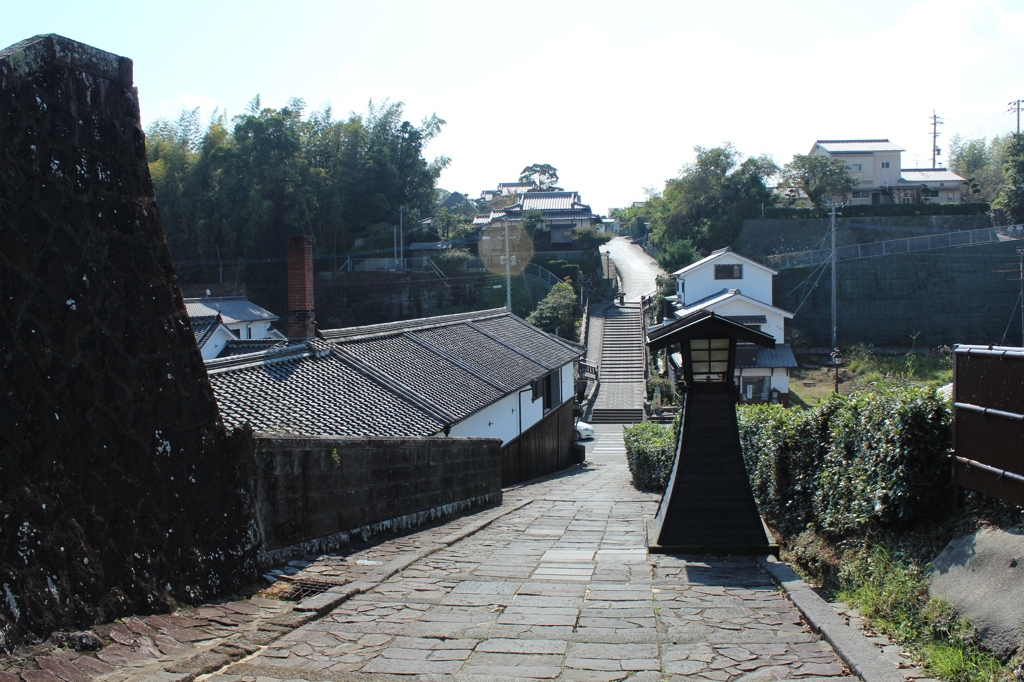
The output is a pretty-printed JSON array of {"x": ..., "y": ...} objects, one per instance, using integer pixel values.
[{"x": 231, "y": 191}]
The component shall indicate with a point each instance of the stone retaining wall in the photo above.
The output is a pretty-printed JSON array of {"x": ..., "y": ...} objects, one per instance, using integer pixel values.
[
  {"x": 319, "y": 494},
  {"x": 921, "y": 299}
]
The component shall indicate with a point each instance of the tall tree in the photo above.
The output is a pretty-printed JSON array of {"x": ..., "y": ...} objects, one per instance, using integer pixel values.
[
  {"x": 1011, "y": 197},
  {"x": 819, "y": 177},
  {"x": 542, "y": 176},
  {"x": 556, "y": 313},
  {"x": 980, "y": 163},
  {"x": 707, "y": 203},
  {"x": 235, "y": 191}
]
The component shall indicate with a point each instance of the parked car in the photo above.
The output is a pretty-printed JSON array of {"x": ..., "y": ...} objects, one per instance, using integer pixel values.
[{"x": 584, "y": 430}]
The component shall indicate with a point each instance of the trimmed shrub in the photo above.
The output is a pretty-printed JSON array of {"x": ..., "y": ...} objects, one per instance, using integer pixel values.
[
  {"x": 650, "y": 451},
  {"x": 882, "y": 210},
  {"x": 878, "y": 458}
]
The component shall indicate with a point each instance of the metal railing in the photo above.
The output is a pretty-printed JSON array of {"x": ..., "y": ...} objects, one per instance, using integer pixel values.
[{"x": 889, "y": 247}]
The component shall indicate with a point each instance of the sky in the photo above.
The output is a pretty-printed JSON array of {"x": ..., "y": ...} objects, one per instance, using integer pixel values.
[{"x": 615, "y": 95}]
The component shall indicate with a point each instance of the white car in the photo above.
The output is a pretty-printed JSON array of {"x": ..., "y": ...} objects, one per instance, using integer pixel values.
[{"x": 583, "y": 430}]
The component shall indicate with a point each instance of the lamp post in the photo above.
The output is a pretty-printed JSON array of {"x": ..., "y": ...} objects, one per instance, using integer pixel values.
[{"x": 837, "y": 361}]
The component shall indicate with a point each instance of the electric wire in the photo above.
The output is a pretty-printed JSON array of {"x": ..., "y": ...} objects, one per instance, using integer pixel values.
[
  {"x": 808, "y": 295},
  {"x": 1013, "y": 314}
]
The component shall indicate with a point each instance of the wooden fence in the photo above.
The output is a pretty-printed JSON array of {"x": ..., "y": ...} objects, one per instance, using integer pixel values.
[
  {"x": 543, "y": 449},
  {"x": 988, "y": 420}
]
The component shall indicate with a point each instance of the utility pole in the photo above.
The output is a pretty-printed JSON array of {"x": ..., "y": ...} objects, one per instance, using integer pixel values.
[
  {"x": 508, "y": 272},
  {"x": 1016, "y": 106},
  {"x": 1020, "y": 253},
  {"x": 833, "y": 215},
  {"x": 936, "y": 122},
  {"x": 401, "y": 236}
]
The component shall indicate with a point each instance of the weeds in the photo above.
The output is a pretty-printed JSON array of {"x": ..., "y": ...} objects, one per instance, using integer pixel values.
[{"x": 893, "y": 597}]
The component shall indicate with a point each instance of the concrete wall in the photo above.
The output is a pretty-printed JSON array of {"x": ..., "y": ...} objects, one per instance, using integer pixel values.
[
  {"x": 319, "y": 494},
  {"x": 118, "y": 488},
  {"x": 945, "y": 296}
]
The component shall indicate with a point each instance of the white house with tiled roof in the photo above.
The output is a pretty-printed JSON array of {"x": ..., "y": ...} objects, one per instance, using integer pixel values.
[
  {"x": 485, "y": 374},
  {"x": 218, "y": 321},
  {"x": 740, "y": 289},
  {"x": 877, "y": 165}
]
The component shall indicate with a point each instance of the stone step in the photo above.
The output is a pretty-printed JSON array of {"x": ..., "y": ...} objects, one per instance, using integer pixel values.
[{"x": 616, "y": 416}]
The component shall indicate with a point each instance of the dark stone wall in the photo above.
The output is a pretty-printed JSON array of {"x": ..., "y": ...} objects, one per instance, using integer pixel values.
[
  {"x": 766, "y": 236},
  {"x": 944, "y": 297},
  {"x": 317, "y": 494},
  {"x": 118, "y": 487}
]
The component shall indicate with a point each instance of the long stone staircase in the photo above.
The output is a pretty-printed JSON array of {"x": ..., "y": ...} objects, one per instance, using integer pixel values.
[{"x": 620, "y": 397}]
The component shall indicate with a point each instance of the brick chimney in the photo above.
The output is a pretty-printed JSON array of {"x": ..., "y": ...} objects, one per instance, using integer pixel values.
[{"x": 301, "y": 324}]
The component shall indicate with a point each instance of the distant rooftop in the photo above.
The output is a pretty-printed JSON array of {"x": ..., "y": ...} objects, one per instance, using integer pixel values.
[
  {"x": 232, "y": 309},
  {"x": 857, "y": 146},
  {"x": 929, "y": 175}
]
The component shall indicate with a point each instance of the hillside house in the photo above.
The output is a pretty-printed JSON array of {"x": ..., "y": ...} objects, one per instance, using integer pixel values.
[
  {"x": 740, "y": 289},
  {"x": 877, "y": 165},
  {"x": 562, "y": 213}
]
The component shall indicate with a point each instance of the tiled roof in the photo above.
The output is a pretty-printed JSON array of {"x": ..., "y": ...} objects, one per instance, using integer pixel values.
[
  {"x": 246, "y": 346},
  {"x": 857, "y": 146},
  {"x": 921, "y": 175},
  {"x": 780, "y": 356},
  {"x": 514, "y": 330},
  {"x": 309, "y": 395},
  {"x": 714, "y": 255},
  {"x": 714, "y": 300},
  {"x": 416, "y": 367},
  {"x": 484, "y": 354},
  {"x": 747, "y": 319},
  {"x": 549, "y": 201},
  {"x": 409, "y": 378},
  {"x": 203, "y": 327},
  {"x": 232, "y": 309}
]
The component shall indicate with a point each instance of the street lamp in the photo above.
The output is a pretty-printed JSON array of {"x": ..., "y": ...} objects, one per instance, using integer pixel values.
[{"x": 837, "y": 361}]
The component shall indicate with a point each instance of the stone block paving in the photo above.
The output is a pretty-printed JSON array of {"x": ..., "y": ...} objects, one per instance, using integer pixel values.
[{"x": 560, "y": 588}]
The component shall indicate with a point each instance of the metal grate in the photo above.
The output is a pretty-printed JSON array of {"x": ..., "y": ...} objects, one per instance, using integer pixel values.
[{"x": 303, "y": 588}]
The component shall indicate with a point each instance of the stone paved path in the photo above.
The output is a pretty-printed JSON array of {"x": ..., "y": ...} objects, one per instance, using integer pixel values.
[
  {"x": 560, "y": 588},
  {"x": 637, "y": 270}
]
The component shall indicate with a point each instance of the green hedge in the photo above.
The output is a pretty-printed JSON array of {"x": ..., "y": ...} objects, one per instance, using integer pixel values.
[
  {"x": 650, "y": 451},
  {"x": 882, "y": 210},
  {"x": 877, "y": 458}
]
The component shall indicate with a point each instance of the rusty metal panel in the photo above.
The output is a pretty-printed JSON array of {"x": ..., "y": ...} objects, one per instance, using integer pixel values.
[{"x": 988, "y": 420}]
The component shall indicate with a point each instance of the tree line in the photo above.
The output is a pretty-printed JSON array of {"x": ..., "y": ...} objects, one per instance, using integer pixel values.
[
  {"x": 234, "y": 189},
  {"x": 703, "y": 209}
]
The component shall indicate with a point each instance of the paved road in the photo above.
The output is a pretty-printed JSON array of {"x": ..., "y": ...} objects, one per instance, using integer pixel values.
[
  {"x": 560, "y": 587},
  {"x": 637, "y": 269}
]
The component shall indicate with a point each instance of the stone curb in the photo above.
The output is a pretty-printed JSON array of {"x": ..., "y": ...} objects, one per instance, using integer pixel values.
[
  {"x": 851, "y": 645},
  {"x": 325, "y": 602}
]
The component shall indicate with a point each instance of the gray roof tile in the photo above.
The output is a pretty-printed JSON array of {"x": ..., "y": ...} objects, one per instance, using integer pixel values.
[
  {"x": 484, "y": 354},
  {"x": 312, "y": 395},
  {"x": 410, "y": 378},
  {"x": 233, "y": 309}
]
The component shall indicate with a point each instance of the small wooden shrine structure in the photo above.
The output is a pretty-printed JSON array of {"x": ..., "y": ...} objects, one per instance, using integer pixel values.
[{"x": 708, "y": 506}]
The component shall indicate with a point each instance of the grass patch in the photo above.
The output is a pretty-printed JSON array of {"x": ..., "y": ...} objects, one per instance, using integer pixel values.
[
  {"x": 893, "y": 596},
  {"x": 863, "y": 367}
]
